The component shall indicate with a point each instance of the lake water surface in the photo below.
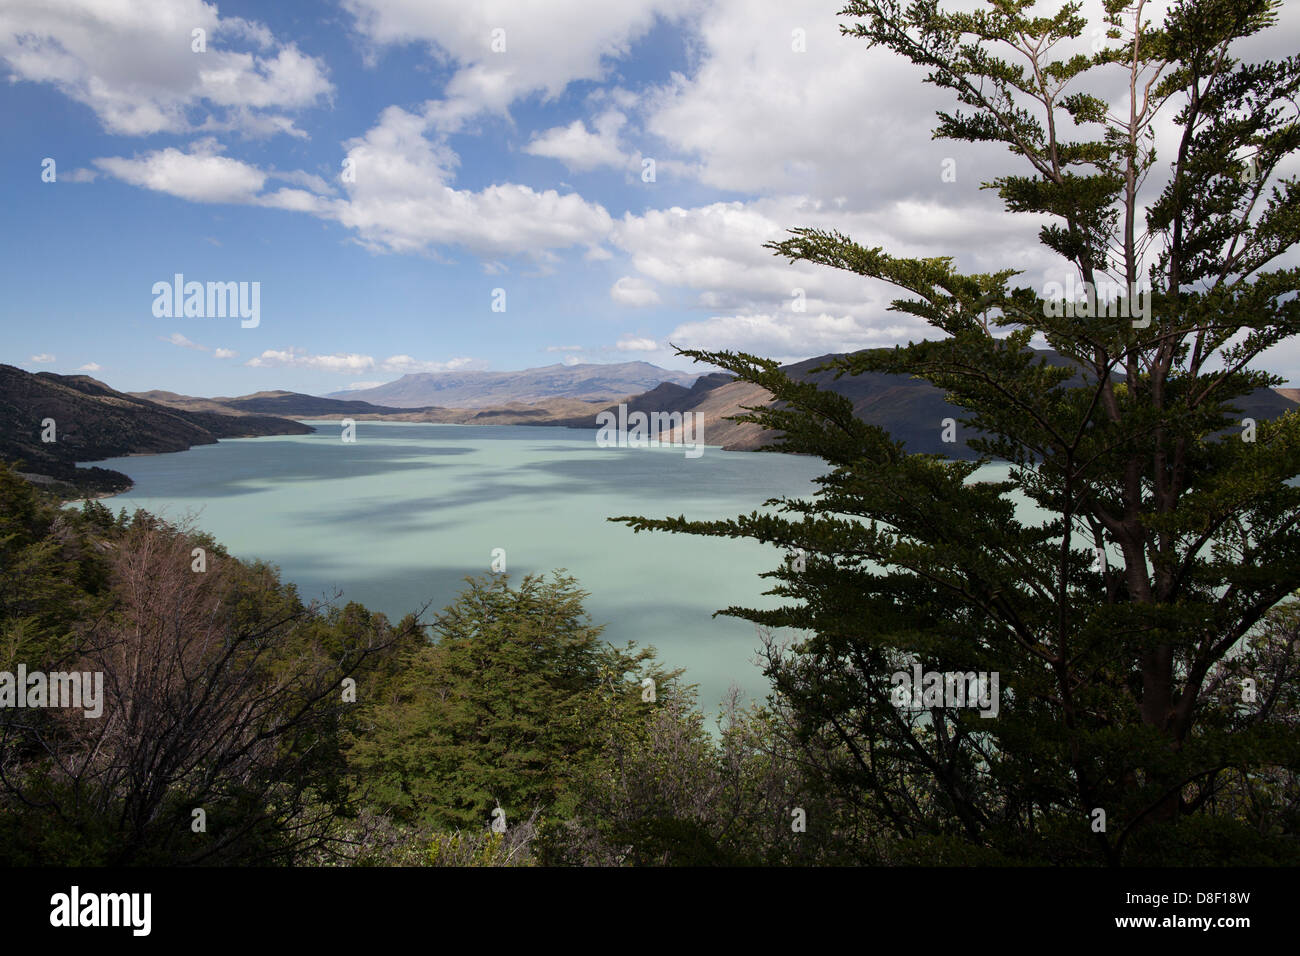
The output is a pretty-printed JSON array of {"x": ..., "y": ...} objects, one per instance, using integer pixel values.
[
  {"x": 407, "y": 511},
  {"x": 403, "y": 514}
]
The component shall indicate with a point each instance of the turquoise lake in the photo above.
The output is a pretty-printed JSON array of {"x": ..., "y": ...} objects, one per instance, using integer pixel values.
[{"x": 403, "y": 514}]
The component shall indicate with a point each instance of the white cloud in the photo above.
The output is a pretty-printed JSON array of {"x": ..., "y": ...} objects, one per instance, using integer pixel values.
[
  {"x": 290, "y": 78},
  {"x": 308, "y": 181},
  {"x": 633, "y": 291},
  {"x": 199, "y": 176},
  {"x": 629, "y": 344},
  {"x": 42, "y": 358},
  {"x": 134, "y": 65},
  {"x": 786, "y": 338},
  {"x": 298, "y": 200},
  {"x": 717, "y": 250},
  {"x": 564, "y": 348},
  {"x": 352, "y": 362},
  {"x": 401, "y": 200},
  {"x": 405, "y": 364},
  {"x": 90, "y": 367},
  {"x": 224, "y": 353},
  {"x": 177, "y": 339},
  {"x": 547, "y": 45},
  {"x": 580, "y": 149},
  {"x": 837, "y": 120},
  {"x": 300, "y": 358}
]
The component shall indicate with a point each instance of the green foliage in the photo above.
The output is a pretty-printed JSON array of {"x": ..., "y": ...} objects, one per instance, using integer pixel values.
[
  {"x": 502, "y": 709},
  {"x": 484, "y": 848},
  {"x": 221, "y": 691},
  {"x": 53, "y": 575}
]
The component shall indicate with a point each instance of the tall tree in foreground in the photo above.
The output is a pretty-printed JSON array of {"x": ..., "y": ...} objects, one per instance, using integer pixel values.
[{"x": 1142, "y": 704}]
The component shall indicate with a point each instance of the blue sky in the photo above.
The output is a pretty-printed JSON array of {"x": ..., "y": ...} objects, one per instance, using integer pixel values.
[{"x": 474, "y": 170}]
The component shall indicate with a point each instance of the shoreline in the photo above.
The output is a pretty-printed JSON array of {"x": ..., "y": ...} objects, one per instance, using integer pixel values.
[
  {"x": 99, "y": 497},
  {"x": 94, "y": 463}
]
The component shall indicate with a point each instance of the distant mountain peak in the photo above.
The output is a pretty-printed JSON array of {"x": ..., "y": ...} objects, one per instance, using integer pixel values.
[{"x": 469, "y": 388}]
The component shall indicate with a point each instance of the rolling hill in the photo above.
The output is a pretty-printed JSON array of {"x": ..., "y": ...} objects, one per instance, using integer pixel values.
[
  {"x": 911, "y": 410},
  {"x": 92, "y": 421},
  {"x": 280, "y": 403},
  {"x": 298, "y": 405}
]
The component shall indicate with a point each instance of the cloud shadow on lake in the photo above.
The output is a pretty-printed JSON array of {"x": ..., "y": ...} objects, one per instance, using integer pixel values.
[{"x": 243, "y": 466}]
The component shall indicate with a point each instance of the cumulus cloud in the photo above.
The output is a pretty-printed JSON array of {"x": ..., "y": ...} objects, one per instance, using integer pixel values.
[
  {"x": 405, "y": 364},
  {"x": 717, "y": 251},
  {"x": 177, "y": 339},
  {"x": 300, "y": 358},
  {"x": 134, "y": 64},
  {"x": 786, "y": 338},
  {"x": 633, "y": 291},
  {"x": 42, "y": 358},
  {"x": 90, "y": 367},
  {"x": 352, "y": 362},
  {"x": 631, "y": 344},
  {"x": 224, "y": 353},
  {"x": 763, "y": 117},
  {"x": 580, "y": 149},
  {"x": 200, "y": 175},
  {"x": 401, "y": 200},
  {"x": 298, "y": 200},
  {"x": 547, "y": 46}
]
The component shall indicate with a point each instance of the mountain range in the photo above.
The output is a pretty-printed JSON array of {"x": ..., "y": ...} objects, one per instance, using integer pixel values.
[
  {"x": 471, "y": 389},
  {"x": 910, "y": 409},
  {"x": 91, "y": 421}
]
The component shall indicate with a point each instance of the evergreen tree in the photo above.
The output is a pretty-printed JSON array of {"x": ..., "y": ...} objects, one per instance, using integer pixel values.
[
  {"x": 1166, "y": 526},
  {"x": 502, "y": 709}
]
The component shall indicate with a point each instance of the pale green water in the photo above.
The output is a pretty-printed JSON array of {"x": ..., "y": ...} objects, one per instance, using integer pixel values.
[{"x": 402, "y": 515}]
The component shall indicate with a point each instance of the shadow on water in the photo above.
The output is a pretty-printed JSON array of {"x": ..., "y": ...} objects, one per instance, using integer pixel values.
[
  {"x": 245, "y": 463},
  {"x": 668, "y": 475},
  {"x": 432, "y": 431}
]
